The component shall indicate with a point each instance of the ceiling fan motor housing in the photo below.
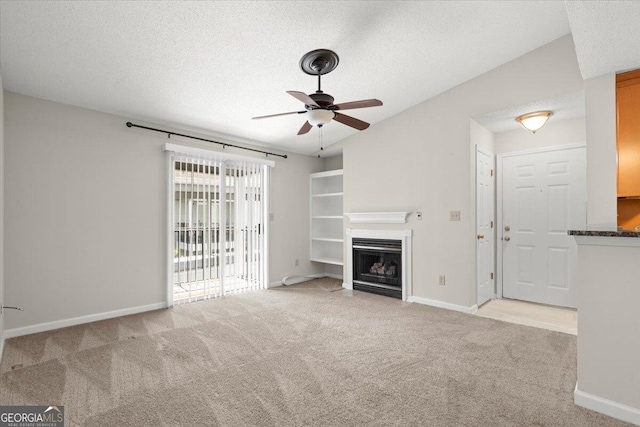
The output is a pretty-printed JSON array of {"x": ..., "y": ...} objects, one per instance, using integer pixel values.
[{"x": 324, "y": 100}]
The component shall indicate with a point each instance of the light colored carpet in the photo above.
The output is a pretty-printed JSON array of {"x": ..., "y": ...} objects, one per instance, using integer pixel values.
[{"x": 304, "y": 355}]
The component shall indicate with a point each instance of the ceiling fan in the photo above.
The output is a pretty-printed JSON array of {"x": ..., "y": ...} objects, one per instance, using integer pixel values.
[{"x": 319, "y": 106}]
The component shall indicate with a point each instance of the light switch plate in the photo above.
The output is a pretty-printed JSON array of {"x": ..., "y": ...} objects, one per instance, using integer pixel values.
[{"x": 454, "y": 216}]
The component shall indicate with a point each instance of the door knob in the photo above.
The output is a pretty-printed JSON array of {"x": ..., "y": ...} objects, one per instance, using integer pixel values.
[
  {"x": 480, "y": 236},
  {"x": 507, "y": 238},
  {"x": 507, "y": 228}
]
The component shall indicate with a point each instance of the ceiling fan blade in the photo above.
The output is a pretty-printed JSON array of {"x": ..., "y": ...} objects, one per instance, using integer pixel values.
[
  {"x": 301, "y": 96},
  {"x": 351, "y": 121},
  {"x": 359, "y": 104},
  {"x": 276, "y": 115},
  {"x": 306, "y": 127}
]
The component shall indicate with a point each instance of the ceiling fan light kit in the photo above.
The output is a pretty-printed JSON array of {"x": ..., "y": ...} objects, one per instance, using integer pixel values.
[
  {"x": 319, "y": 117},
  {"x": 319, "y": 107},
  {"x": 534, "y": 121}
]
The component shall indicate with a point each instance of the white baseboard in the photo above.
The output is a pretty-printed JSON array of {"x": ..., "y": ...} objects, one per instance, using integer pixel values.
[
  {"x": 333, "y": 276},
  {"x": 65, "y": 323},
  {"x": 606, "y": 406},
  {"x": 347, "y": 285},
  {"x": 442, "y": 304}
]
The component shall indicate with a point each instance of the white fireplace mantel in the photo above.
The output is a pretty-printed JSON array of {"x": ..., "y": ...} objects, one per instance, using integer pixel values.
[
  {"x": 402, "y": 235},
  {"x": 377, "y": 217}
]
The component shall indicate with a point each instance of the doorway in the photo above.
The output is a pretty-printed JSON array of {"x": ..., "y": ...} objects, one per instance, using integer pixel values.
[
  {"x": 485, "y": 242},
  {"x": 218, "y": 215},
  {"x": 541, "y": 195}
]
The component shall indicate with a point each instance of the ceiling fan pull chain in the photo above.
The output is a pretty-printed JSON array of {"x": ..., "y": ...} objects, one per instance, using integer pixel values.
[{"x": 320, "y": 139}]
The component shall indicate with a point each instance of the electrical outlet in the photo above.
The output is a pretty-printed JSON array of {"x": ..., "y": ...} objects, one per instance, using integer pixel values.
[
  {"x": 454, "y": 216},
  {"x": 297, "y": 262},
  {"x": 419, "y": 215},
  {"x": 442, "y": 280}
]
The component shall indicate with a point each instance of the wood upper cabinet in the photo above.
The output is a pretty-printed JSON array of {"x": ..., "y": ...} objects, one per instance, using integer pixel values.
[{"x": 628, "y": 114}]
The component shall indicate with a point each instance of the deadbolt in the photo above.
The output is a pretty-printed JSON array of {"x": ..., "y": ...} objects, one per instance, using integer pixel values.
[
  {"x": 507, "y": 228},
  {"x": 507, "y": 238}
]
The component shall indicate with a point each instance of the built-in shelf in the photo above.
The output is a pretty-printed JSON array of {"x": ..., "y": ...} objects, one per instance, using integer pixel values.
[
  {"x": 328, "y": 195},
  {"x": 334, "y": 261},
  {"x": 327, "y": 226}
]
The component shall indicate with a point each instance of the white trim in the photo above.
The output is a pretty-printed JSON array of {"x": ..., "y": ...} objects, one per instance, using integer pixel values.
[
  {"x": 212, "y": 154},
  {"x": 377, "y": 217},
  {"x": 65, "y": 323},
  {"x": 606, "y": 406},
  {"x": 266, "y": 209},
  {"x": 544, "y": 149},
  {"x": 446, "y": 305},
  {"x": 474, "y": 238},
  {"x": 499, "y": 226},
  {"x": 608, "y": 241},
  {"x": 499, "y": 202},
  {"x": 404, "y": 235},
  {"x": 169, "y": 226}
]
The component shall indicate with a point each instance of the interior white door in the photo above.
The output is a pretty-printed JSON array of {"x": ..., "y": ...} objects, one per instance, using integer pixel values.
[
  {"x": 485, "y": 253},
  {"x": 544, "y": 195}
]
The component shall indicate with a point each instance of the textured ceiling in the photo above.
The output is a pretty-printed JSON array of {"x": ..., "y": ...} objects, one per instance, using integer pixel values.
[
  {"x": 211, "y": 66},
  {"x": 606, "y": 35},
  {"x": 564, "y": 107}
]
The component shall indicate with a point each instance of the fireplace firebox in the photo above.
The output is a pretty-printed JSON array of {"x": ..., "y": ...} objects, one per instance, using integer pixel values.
[{"x": 377, "y": 266}]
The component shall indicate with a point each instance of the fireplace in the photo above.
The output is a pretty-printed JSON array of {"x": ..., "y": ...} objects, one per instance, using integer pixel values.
[
  {"x": 377, "y": 266},
  {"x": 372, "y": 239}
]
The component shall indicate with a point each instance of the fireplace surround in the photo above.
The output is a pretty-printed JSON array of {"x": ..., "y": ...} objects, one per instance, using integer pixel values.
[{"x": 379, "y": 261}]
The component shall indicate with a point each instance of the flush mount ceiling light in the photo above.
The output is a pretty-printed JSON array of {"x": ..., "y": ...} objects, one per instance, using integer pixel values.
[{"x": 534, "y": 121}]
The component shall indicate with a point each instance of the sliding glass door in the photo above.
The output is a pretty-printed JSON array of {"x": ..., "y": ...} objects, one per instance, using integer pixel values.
[{"x": 218, "y": 218}]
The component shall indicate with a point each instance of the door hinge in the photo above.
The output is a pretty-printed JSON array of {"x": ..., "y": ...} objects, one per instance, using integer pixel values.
[
  {"x": 491, "y": 224},
  {"x": 491, "y": 172},
  {"x": 491, "y": 276}
]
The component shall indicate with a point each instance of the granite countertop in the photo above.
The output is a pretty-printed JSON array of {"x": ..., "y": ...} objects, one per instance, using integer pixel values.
[{"x": 605, "y": 233}]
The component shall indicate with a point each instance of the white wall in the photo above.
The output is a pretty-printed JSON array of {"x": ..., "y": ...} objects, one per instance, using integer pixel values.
[
  {"x": 290, "y": 206},
  {"x": 609, "y": 326},
  {"x": 553, "y": 133},
  {"x": 602, "y": 160},
  {"x": 482, "y": 137},
  {"x": 332, "y": 163},
  {"x": 86, "y": 212},
  {"x": 420, "y": 159},
  {"x": 2, "y": 301}
]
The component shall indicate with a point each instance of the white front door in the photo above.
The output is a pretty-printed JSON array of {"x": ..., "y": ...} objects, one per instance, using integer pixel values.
[
  {"x": 485, "y": 191},
  {"x": 543, "y": 195}
]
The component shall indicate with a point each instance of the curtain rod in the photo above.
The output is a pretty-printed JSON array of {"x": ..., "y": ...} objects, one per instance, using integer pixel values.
[{"x": 224, "y": 144}]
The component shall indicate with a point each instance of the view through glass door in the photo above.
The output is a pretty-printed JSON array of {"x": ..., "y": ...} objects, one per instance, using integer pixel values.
[{"x": 218, "y": 226}]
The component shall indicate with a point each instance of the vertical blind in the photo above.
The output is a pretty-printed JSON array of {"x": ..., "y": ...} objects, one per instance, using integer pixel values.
[{"x": 218, "y": 214}]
